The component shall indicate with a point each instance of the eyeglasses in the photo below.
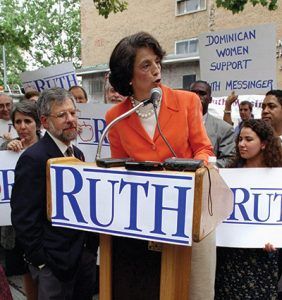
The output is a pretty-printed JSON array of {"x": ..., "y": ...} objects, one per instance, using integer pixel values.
[
  {"x": 3, "y": 105},
  {"x": 200, "y": 93},
  {"x": 63, "y": 115}
]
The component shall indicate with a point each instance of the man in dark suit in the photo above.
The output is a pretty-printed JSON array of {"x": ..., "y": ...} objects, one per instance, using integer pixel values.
[
  {"x": 58, "y": 258},
  {"x": 220, "y": 133}
]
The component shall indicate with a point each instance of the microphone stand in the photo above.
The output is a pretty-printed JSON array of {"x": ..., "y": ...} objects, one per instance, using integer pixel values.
[{"x": 115, "y": 162}]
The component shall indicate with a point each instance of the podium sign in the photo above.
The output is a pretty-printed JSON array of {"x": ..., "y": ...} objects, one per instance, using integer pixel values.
[{"x": 154, "y": 206}]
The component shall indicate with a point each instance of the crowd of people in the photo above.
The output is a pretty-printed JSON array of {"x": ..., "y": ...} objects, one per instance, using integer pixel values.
[{"x": 60, "y": 263}]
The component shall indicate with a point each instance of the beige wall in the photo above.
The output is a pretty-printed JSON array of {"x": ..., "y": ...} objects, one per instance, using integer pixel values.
[{"x": 99, "y": 35}]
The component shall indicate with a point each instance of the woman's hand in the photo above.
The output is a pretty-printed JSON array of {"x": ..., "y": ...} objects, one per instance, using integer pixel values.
[
  {"x": 269, "y": 248},
  {"x": 15, "y": 145}
]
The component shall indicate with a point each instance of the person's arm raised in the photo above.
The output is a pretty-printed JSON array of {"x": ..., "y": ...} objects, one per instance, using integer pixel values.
[{"x": 228, "y": 107}]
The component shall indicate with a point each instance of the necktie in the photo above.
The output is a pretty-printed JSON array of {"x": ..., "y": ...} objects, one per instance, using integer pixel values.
[{"x": 69, "y": 151}]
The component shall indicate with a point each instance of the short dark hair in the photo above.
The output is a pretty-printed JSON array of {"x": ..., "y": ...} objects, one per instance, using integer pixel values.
[
  {"x": 245, "y": 102},
  {"x": 79, "y": 87},
  {"x": 276, "y": 93},
  {"x": 123, "y": 57},
  {"x": 203, "y": 82},
  {"x": 30, "y": 94},
  {"x": 28, "y": 108}
]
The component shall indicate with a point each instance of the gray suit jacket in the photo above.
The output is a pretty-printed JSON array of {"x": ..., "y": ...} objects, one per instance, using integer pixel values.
[{"x": 221, "y": 135}]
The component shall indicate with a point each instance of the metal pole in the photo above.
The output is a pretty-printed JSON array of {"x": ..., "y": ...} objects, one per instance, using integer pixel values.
[{"x": 4, "y": 66}]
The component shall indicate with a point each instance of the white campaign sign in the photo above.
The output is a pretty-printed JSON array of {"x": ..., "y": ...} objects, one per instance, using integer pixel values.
[
  {"x": 217, "y": 106},
  {"x": 143, "y": 205},
  {"x": 256, "y": 219},
  {"x": 92, "y": 123},
  {"x": 241, "y": 60},
  {"x": 8, "y": 160},
  {"x": 62, "y": 75},
  {"x": 257, "y": 215}
]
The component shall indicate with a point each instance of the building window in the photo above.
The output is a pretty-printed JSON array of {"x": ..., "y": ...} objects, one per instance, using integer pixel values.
[
  {"x": 96, "y": 86},
  {"x": 189, "y": 6},
  {"x": 190, "y": 46},
  {"x": 188, "y": 80}
]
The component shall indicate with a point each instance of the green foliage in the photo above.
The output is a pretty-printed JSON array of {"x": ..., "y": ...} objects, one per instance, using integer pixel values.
[
  {"x": 15, "y": 62},
  {"x": 105, "y": 7},
  {"x": 237, "y": 6},
  {"x": 48, "y": 31},
  {"x": 55, "y": 31},
  {"x": 13, "y": 29}
]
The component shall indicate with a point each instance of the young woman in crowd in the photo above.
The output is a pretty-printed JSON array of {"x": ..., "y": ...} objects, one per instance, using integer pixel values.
[
  {"x": 250, "y": 273},
  {"x": 27, "y": 124}
]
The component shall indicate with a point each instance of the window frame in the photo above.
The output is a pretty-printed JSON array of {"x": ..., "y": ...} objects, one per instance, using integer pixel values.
[
  {"x": 189, "y": 12},
  {"x": 186, "y": 40}
]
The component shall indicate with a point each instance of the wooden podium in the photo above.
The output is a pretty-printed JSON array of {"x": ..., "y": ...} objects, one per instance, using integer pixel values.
[
  {"x": 176, "y": 260},
  {"x": 170, "y": 267}
]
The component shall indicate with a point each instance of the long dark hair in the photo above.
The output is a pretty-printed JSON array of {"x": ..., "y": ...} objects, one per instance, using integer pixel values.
[{"x": 272, "y": 153}]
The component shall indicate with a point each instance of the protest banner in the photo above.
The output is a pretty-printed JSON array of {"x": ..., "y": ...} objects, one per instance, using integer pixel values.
[
  {"x": 91, "y": 119},
  {"x": 62, "y": 75},
  {"x": 241, "y": 60},
  {"x": 6, "y": 127},
  {"x": 217, "y": 106},
  {"x": 255, "y": 220},
  {"x": 8, "y": 161},
  {"x": 257, "y": 215},
  {"x": 123, "y": 203}
]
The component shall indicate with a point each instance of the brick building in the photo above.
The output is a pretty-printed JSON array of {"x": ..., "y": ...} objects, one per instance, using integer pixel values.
[{"x": 176, "y": 24}]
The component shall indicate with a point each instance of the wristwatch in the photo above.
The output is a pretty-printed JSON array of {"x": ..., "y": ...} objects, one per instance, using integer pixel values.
[{"x": 41, "y": 266}]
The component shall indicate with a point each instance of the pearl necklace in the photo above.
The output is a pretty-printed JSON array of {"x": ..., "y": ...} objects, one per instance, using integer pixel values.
[{"x": 144, "y": 112}]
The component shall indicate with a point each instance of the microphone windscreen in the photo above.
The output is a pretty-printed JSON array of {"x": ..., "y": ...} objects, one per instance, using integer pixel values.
[{"x": 156, "y": 94}]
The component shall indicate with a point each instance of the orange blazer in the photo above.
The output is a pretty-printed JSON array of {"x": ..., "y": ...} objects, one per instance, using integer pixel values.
[{"x": 180, "y": 119}]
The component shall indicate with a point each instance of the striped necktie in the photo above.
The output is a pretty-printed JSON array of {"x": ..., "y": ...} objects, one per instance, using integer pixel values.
[{"x": 69, "y": 151}]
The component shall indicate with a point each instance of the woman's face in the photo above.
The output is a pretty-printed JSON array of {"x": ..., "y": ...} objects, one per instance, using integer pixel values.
[
  {"x": 25, "y": 127},
  {"x": 146, "y": 73},
  {"x": 250, "y": 145}
]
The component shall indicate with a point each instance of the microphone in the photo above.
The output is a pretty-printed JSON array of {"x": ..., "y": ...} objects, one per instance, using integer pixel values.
[
  {"x": 156, "y": 95},
  {"x": 119, "y": 162}
]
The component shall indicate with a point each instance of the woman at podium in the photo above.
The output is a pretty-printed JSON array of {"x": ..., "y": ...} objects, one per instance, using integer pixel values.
[{"x": 135, "y": 69}]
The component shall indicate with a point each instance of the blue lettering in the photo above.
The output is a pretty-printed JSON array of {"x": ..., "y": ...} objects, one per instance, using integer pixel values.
[
  {"x": 61, "y": 81},
  {"x": 231, "y": 37},
  {"x": 71, "y": 81},
  {"x": 230, "y": 65},
  {"x": 133, "y": 201},
  {"x": 60, "y": 193},
  {"x": 256, "y": 208},
  {"x": 7, "y": 184},
  {"x": 232, "y": 51},
  {"x": 279, "y": 197},
  {"x": 99, "y": 126},
  {"x": 215, "y": 86},
  {"x": 159, "y": 208},
  {"x": 40, "y": 84},
  {"x": 248, "y": 84},
  {"x": 240, "y": 204},
  {"x": 93, "y": 202}
]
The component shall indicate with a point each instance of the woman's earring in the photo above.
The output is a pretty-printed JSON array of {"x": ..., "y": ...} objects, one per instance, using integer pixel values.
[{"x": 130, "y": 83}]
